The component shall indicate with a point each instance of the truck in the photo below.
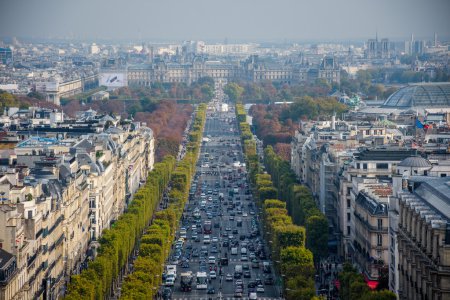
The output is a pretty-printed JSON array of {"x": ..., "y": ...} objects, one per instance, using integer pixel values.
[{"x": 186, "y": 281}]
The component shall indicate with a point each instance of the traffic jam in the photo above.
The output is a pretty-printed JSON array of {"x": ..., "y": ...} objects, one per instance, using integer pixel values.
[{"x": 219, "y": 251}]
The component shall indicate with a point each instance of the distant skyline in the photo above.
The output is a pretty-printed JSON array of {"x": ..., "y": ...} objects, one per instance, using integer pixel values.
[{"x": 234, "y": 20}]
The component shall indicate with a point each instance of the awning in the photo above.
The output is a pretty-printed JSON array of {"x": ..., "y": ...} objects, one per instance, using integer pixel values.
[{"x": 372, "y": 284}]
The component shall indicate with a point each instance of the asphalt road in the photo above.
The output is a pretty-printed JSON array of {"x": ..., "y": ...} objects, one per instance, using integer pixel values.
[{"x": 218, "y": 173}]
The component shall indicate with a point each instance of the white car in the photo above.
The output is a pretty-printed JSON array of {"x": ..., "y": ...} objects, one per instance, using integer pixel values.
[
  {"x": 170, "y": 279},
  {"x": 212, "y": 260},
  {"x": 260, "y": 288},
  {"x": 212, "y": 274},
  {"x": 252, "y": 296},
  {"x": 245, "y": 215},
  {"x": 229, "y": 277},
  {"x": 215, "y": 240}
]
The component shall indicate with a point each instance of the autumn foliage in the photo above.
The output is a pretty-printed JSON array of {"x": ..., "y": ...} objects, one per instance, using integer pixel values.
[
  {"x": 168, "y": 122},
  {"x": 271, "y": 130}
]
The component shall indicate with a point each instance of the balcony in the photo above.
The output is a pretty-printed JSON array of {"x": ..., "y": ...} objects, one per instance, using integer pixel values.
[{"x": 369, "y": 226}]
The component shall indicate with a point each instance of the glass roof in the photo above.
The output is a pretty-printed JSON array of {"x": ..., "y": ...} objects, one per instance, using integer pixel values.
[{"x": 424, "y": 94}]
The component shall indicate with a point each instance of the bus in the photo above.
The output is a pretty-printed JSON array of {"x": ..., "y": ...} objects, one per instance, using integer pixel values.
[
  {"x": 202, "y": 282},
  {"x": 207, "y": 227},
  {"x": 186, "y": 281}
]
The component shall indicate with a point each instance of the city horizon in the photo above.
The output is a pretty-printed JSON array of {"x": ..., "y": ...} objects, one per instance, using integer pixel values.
[{"x": 199, "y": 20}]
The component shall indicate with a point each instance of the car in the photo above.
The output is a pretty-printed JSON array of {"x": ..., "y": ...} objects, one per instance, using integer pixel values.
[
  {"x": 260, "y": 288},
  {"x": 244, "y": 214},
  {"x": 231, "y": 218},
  {"x": 167, "y": 293},
  {"x": 255, "y": 264},
  {"x": 268, "y": 280},
  {"x": 244, "y": 258},
  {"x": 251, "y": 284},
  {"x": 227, "y": 228},
  {"x": 252, "y": 296},
  {"x": 170, "y": 281},
  {"x": 245, "y": 267},
  {"x": 238, "y": 293},
  {"x": 212, "y": 274},
  {"x": 211, "y": 290},
  {"x": 235, "y": 231},
  {"x": 247, "y": 274},
  {"x": 215, "y": 239},
  {"x": 229, "y": 277},
  {"x": 212, "y": 260}
]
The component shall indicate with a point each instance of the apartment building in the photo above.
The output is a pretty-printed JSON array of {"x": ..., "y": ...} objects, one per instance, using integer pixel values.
[
  {"x": 369, "y": 229},
  {"x": 424, "y": 238},
  {"x": 58, "y": 195}
]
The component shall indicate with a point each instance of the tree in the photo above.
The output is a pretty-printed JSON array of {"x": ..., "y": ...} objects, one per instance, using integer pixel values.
[
  {"x": 379, "y": 295},
  {"x": 317, "y": 236},
  {"x": 233, "y": 91}
]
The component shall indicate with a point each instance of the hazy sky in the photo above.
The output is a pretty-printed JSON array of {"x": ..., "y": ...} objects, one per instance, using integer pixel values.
[{"x": 233, "y": 19}]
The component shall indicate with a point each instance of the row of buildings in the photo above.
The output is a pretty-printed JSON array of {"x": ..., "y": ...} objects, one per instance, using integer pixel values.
[
  {"x": 382, "y": 180},
  {"x": 253, "y": 69},
  {"x": 62, "y": 182}
]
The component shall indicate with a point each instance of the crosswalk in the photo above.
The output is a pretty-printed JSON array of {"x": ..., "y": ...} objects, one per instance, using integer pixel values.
[{"x": 230, "y": 259}]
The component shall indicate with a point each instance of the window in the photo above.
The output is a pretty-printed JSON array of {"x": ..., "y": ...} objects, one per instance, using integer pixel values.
[
  {"x": 358, "y": 165},
  {"x": 348, "y": 217},
  {"x": 443, "y": 175},
  {"x": 364, "y": 166},
  {"x": 383, "y": 166},
  {"x": 367, "y": 132},
  {"x": 348, "y": 230},
  {"x": 380, "y": 224},
  {"x": 379, "y": 240},
  {"x": 348, "y": 203},
  {"x": 349, "y": 189}
]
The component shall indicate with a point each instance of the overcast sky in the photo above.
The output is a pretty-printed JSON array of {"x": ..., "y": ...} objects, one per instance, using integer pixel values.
[{"x": 237, "y": 20}]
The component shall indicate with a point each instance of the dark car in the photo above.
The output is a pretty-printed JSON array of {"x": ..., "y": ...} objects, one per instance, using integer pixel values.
[
  {"x": 211, "y": 290},
  {"x": 268, "y": 280},
  {"x": 167, "y": 293},
  {"x": 247, "y": 274}
]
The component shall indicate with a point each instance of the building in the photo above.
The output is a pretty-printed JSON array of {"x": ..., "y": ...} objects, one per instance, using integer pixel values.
[
  {"x": 56, "y": 89},
  {"x": 100, "y": 95},
  {"x": 424, "y": 238},
  {"x": 378, "y": 49},
  {"x": 6, "y": 56},
  {"x": 59, "y": 191},
  {"x": 420, "y": 96},
  {"x": 370, "y": 226}
]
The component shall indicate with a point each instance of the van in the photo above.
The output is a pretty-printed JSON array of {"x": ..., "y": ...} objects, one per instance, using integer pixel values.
[
  {"x": 234, "y": 251},
  {"x": 238, "y": 269},
  {"x": 243, "y": 251}
]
